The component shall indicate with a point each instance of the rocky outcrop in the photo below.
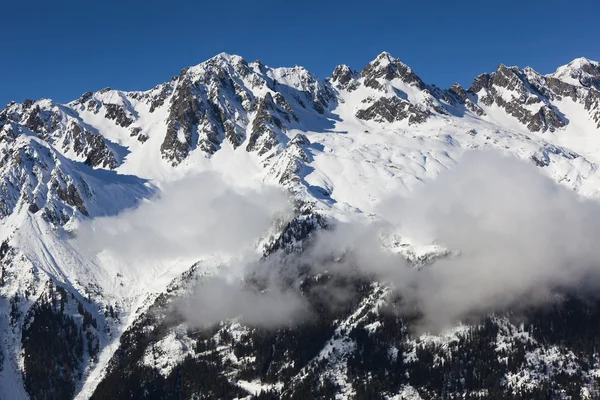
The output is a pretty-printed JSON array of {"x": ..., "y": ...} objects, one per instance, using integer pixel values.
[
  {"x": 90, "y": 145},
  {"x": 456, "y": 94},
  {"x": 117, "y": 113},
  {"x": 286, "y": 170},
  {"x": 182, "y": 123},
  {"x": 265, "y": 126},
  {"x": 392, "y": 109}
]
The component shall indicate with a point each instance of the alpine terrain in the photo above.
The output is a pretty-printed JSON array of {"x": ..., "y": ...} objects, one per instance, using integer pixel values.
[{"x": 83, "y": 324}]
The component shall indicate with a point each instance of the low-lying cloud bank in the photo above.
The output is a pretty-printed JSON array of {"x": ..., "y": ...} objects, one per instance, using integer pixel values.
[
  {"x": 518, "y": 237},
  {"x": 195, "y": 216},
  {"x": 521, "y": 236}
]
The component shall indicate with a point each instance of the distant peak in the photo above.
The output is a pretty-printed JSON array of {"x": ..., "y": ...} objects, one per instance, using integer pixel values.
[
  {"x": 504, "y": 67},
  {"x": 529, "y": 71},
  {"x": 342, "y": 74},
  {"x": 217, "y": 64},
  {"x": 582, "y": 61},
  {"x": 259, "y": 65},
  {"x": 581, "y": 71},
  {"x": 226, "y": 57},
  {"x": 342, "y": 68},
  {"x": 385, "y": 58},
  {"x": 384, "y": 55}
]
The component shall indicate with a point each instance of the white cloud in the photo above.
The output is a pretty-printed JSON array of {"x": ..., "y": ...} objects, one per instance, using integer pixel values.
[{"x": 194, "y": 216}]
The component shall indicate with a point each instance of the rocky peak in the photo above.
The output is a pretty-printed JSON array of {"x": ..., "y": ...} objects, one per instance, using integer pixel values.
[
  {"x": 258, "y": 66},
  {"x": 482, "y": 81},
  {"x": 581, "y": 71},
  {"x": 457, "y": 95},
  {"x": 225, "y": 58},
  {"x": 386, "y": 67},
  {"x": 344, "y": 78},
  {"x": 85, "y": 97},
  {"x": 458, "y": 91},
  {"x": 224, "y": 96},
  {"x": 523, "y": 94},
  {"x": 508, "y": 77},
  {"x": 225, "y": 64}
]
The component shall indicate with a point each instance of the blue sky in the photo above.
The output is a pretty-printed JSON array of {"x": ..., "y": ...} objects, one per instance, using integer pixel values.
[{"x": 62, "y": 49}]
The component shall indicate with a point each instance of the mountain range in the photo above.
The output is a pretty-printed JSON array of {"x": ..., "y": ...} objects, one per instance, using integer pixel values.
[{"x": 77, "y": 325}]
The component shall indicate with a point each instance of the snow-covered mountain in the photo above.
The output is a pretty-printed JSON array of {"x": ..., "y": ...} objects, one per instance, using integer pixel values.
[{"x": 74, "y": 325}]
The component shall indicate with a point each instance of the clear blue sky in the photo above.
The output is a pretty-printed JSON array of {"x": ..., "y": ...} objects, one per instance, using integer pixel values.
[{"x": 64, "y": 48}]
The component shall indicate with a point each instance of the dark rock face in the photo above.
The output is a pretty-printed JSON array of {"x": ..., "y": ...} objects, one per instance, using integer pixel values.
[
  {"x": 118, "y": 114},
  {"x": 545, "y": 119},
  {"x": 592, "y": 81},
  {"x": 71, "y": 196},
  {"x": 183, "y": 119},
  {"x": 342, "y": 74},
  {"x": 344, "y": 78},
  {"x": 458, "y": 92},
  {"x": 142, "y": 138},
  {"x": 592, "y": 104},
  {"x": 458, "y": 95},
  {"x": 561, "y": 89},
  {"x": 136, "y": 131},
  {"x": 285, "y": 110},
  {"x": 85, "y": 97},
  {"x": 480, "y": 82},
  {"x": 393, "y": 109},
  {"x": 98, "y": 152},
  {"x": 34, "y": 121},
  {"x": 94, "y": 106},
  {"x": 159, "y": 99},
  {"x": 263, "y": 135},
  {"x": 92, "y": 146}
]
